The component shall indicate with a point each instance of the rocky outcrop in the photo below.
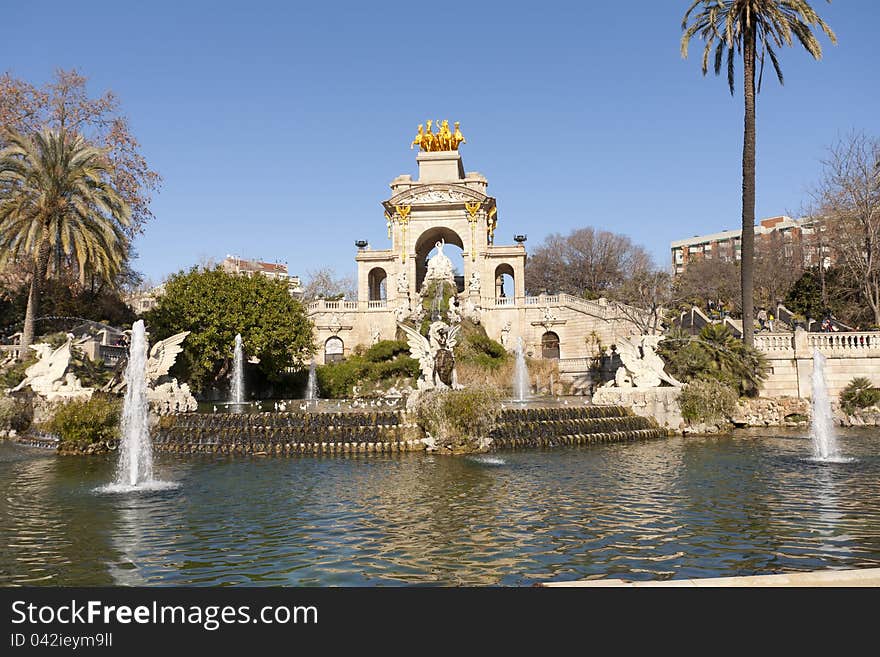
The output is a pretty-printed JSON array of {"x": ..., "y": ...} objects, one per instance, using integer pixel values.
[{"x": 771, "y": 412}]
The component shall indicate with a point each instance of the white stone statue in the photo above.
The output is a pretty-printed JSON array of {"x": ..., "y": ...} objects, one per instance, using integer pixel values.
[
  {"x": 402, "y": 283},
  {"x": 454, "y": 313},
  {"x": 474, "y": 284},
  {"x": 402, "y": 309},
  {"x": 172, "y": 397},
  {"x": 472, "y": 311},
  {"x": 163, "y": 355},
  {"x": 374, "y": 334},
  {"x": 439, "y": 266},
  {"x": 434, "y": 354},
  {"x": 642, "y": 366},
  {"x": 47, "y": 377},
  {"x": 505, "y": 334}
]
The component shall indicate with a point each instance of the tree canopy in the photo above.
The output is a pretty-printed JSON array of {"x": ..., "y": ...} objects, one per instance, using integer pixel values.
[
  {"x": 214, "y": 306},
  {"x": 64, "y": 105},
  {"x": 586, "y": 263}
]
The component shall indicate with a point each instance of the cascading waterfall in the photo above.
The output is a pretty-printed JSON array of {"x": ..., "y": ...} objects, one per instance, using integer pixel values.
[
  {"x": 520, "y": 373},
  {"x": 135, "y": 451},
  {"x": 312, "y": 385},
  {"x": 822, "y": 433},
  {"x": 237, "y": 396}
]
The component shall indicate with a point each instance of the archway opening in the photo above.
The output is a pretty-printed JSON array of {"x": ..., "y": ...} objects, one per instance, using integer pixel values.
[
  {"x": 426, "y": 246},
  {"x": 504, "y": 282},
  {"x": 377, "y": 282},
  {"x": 550, "y": 346},
  {"x": 333, "y": 350}
]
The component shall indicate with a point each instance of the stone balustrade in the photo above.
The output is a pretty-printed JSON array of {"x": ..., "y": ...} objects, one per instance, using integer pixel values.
[{"x": 790, "y": 359}]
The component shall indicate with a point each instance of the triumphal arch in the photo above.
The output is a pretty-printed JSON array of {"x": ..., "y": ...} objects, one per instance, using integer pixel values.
[{"x": 445, "y": 205}]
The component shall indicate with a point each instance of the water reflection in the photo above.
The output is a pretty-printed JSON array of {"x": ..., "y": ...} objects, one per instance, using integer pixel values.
[{"x": 677, "y": 508}]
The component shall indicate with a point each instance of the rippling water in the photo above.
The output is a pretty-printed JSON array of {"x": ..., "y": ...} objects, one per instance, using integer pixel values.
[{"x": 696, "y": 507}]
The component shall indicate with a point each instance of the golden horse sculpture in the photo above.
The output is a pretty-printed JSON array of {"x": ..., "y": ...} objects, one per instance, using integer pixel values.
[{"x": 444, "y": 140}]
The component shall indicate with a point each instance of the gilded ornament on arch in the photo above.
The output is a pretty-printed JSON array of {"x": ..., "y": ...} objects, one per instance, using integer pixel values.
[
  {"x": 472, "y": 209},
  {"x": 445, "y": 139},
  {"x": 403, "y": 212}
]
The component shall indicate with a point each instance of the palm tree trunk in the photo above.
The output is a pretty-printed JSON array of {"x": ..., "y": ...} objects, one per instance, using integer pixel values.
[
  {"x": 748, "y": 190},
  {"x": 33, "y": 305}
]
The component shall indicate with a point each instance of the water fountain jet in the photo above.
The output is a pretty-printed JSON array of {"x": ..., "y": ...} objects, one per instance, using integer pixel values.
[
  {"x": 237, "y": 391},
  {"x": 135, "y": 468},
  {"x": 822, "y": 433},
  {"x": 520, "y": 374}
]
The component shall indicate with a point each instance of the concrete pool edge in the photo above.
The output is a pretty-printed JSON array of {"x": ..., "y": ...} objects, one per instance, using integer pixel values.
[{"x": 859, "y": 577}]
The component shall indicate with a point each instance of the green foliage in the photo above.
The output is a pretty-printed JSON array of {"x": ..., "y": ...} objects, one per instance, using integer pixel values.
[
  {"x": 13, "y": 374},
  {"x": 859, "y": 393},
  {"x": 458, "y": 419},
  {"x": 15, "y": 414},
  {"x": 442, "y": 289},
  {"x": 81, "y": 423},
  {"x": 214, "y": 306},
  {"x": 714, "y": 355},
  {"x": 477, "y": 348},
  {"x": 386, "y": 350},
  {"x": 386, "y": 361},
  {"x": 707, "y": 401}
]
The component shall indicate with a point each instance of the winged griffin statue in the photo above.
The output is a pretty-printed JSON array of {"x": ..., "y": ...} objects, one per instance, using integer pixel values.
[
  {"x": 434, "y": 354},
  {"x": 642, "y": 366},
  {"x": 49, "y": 377},
  {"x": 168, "y": 396}
]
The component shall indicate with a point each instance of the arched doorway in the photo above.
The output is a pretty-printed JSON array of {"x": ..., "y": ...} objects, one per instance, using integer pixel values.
[
  {"x": 550, "y": 346},
  {"x": 378, "y": 283},
  {"x": 504, "y": 282},
  {"x": 426, "y": 247},
  {"x": 333, "y": 350}
]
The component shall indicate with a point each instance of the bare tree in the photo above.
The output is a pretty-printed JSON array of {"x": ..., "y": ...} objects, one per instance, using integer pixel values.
[
  {"x": 778, "y": 264},
  {"x": 586, "y": 262},
  {"x": 850, "y": 193},
  {"x": 644, "y": 298},
  {"x": 323, "y": 283},
  {"x": 713, "y": 280}
]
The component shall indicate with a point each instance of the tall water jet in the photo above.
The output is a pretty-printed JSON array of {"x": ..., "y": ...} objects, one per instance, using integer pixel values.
[
  {"x": 135, "y": 451},
  {"x": 237, "y": 392},
  {"x": 312, "y": 385},
  {"x": 822, "y": 433},
  {"x": 520, "y": 373}
]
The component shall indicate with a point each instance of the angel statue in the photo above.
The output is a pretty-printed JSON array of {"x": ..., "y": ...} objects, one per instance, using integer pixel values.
[{"x": 434, "y": 354}]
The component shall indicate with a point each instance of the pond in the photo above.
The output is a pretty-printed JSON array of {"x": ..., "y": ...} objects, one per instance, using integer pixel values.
[{"x": 740, "y": 504}]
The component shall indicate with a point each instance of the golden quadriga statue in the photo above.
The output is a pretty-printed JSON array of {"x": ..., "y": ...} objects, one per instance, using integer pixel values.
[{"x": 444, "y": 140}]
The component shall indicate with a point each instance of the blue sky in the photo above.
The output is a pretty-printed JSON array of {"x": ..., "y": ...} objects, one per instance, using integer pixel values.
[{"x": 277, "y": 126}]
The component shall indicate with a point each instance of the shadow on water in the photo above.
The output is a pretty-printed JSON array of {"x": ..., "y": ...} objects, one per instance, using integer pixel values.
[{"x": 742, "y": 504}]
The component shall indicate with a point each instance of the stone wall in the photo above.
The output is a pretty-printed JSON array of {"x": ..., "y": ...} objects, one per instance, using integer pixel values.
[
  {"x": 790, "y": 358},
  {"x": 659, "y": 404}
]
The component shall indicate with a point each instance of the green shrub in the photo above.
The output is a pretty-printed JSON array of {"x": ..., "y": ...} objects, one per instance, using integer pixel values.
[
  {"x": 386, "y": 350},
  {"x": 477, "y": 348},
  {"x": 15, "y": 414},
  {"x": 13, "y": 374},
  {"x": 715, "y": 354},
  {"x": 707, "y": 401},
  {"x": 386, "y": 361},
  {"x": 859, "y": 393},
  {"x": 81, "y": 423},
  {"x": 458, "y": 419}
]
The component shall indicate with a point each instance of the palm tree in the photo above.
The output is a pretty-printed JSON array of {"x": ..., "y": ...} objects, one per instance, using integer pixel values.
[
  {"x": 57, "y": 204},
  {"x": 753, "y": 29}
]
